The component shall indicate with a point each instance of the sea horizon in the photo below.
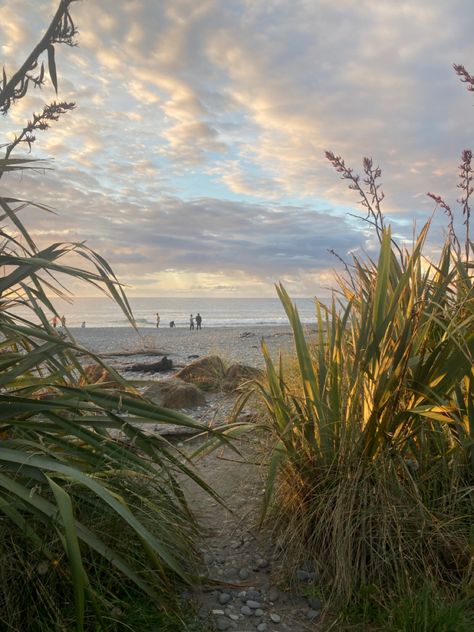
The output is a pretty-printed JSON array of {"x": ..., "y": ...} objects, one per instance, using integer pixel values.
[{"x": 216, "y": 312}]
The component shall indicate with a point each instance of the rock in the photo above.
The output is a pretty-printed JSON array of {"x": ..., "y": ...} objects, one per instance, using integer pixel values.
[
  {"x": 207, "y": 373},
  {"x": 253, "y": 594},
  {"x": 216, "y": 612},
  {"x": 234, "y": 617},
  {"x": 305, "y": 576},
  {"x": 176, "y": 394},
  {"x": 275, "y": 617},
  {"x": 259, "y": 612},
  {"x": 313, "y": 614},
  {"x": 262, "y": 627},
  {"x": 193, "y": 356},
  {"x": 224, "y": 598},
  {"x": 252, "y": 604},
  {"x": 262, "y": 563},
  {"x": 243, "y": 574},
  {"x": 273, "y": 594},
  {"x": 242, "y": 595},
  {"x": 222, "y": 623},
  {"x": 165, "y": 364},
  {"x": 315, "y": 603},
  {"x": 246, "y": 611}
]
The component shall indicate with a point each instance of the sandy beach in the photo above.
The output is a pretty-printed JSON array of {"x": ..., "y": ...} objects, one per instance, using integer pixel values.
[{"x": 232, "y": 344}]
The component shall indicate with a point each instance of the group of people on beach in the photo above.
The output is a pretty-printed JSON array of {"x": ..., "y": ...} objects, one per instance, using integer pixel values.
[
  {"x": 198, "y": 320},
  {"x": 192, "y": 321}
]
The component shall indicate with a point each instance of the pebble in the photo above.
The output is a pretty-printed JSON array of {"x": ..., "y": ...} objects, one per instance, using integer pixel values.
[
  {"x": 243, "y": 573},
  {"x": 224, "y": 598},
  {"x": 262, "y": 563},
  {"x": 252, "y": 604},
  {"x": 242, "y": 594},
  {"x": 253, "y": 593},
  {"x": 258, "y": 612},
  {"x": 222, "y": 624},
  {"x": 275, "y": 618},
  {"x": 217, "y": 612},
  {"x": 315, "y": 603},
  {"x": 313, "y": 614},
  {"x": 261, "y": 627},
  {"x": 234, "y": 617},
  {"x": 304, "y": 576},
  {"x": 246, "y": 611}
]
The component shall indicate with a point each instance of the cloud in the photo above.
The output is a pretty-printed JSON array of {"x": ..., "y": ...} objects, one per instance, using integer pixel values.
[{"x": 198, "y": 142}]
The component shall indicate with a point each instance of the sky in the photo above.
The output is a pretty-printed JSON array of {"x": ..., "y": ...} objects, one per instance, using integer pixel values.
[{"x": 194, "y": 161}]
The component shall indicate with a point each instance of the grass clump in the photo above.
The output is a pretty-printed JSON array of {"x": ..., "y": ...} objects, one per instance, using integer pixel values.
[{"x": 373, "y": 466}]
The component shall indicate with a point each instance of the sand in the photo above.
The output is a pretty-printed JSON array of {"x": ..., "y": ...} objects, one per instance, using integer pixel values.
[{"x": 233, "y": 344}]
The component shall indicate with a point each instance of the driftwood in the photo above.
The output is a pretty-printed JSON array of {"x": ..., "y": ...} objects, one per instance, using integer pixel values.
[{"x": 155, "y": 367}]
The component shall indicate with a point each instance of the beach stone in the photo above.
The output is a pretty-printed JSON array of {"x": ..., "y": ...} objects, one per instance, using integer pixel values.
[
  {"x": 275, "y": 618},
  {"x": 252, "y": 604},
  {"x": 303, "y": 575},
  {"x": 246, "y": 611},
  {"x": 233, "y": 617},
  {"x": 262, "y": 627},
  {"x": 207, "y": 373},
  {"x": 313, "y": 614},
  {"x": 259, "y": 612},
  {"x": 224, "y": 598},
  {"x": 253, "y": 593},
  {"x": 222, "y": 623},
  {"x": 315, "y": 603},
  {"x": 243, "y": 574}
]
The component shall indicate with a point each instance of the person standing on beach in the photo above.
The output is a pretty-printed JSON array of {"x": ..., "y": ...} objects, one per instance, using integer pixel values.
[
  {"x": 191, "y": 321},
  {"x": 198, "y": 321},
  {"x": 157, "y": 320},
  {"x": 63, "y": 321},
  {"x": 55, "y": 321}
]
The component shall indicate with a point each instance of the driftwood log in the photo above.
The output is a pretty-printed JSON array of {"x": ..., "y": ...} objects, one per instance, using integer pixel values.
[{"x": 165, "y": 364}]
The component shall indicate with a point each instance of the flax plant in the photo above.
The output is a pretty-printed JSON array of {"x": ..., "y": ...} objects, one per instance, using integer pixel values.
[
  {"x": 92, "y": 517},
  {"x": 372, "y": 471}
]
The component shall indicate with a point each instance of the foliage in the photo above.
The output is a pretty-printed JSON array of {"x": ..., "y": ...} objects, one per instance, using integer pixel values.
[
  {"x": 373, "y": 466},
  {"x": 90, "y": 506}
]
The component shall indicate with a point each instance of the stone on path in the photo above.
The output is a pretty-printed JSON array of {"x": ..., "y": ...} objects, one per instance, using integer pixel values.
[{"x": 275, "y": 618}]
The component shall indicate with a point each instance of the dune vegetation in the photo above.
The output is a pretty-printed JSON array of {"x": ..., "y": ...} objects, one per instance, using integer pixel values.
[
  {"x": 92, "y": 518},
  {"x": 372, "y": 469}
]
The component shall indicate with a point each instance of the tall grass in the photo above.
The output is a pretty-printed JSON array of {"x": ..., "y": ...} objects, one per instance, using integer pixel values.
[{"x": 373, "y": 467}]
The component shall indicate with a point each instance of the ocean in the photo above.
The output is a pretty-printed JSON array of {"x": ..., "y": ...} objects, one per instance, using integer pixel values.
[{"x": 215, "y": 312}]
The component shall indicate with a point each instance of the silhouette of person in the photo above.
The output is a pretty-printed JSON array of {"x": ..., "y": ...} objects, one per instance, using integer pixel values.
[
  {"x": 55, "y": 321},
  {"x": 63, "y": 321},
  {"x": 83, "y": 324},
  {"x": 198, "y": 321},
  {"x": 191, "y": 321},
  {"x": 172, "y": 323},
  {"x": 157, "y": 320}
]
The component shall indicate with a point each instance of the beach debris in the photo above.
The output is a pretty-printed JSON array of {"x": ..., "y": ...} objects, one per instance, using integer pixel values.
[
  {"x": 247, "y": 334},
  {"x": 193, "y": 356},
  {"x": 210, "y": 373},
  {"x": 237, "y": 374},
  {"x": 97, "y": 374},
  {"x": 207, "y": 373},
  {"x": 165, "y": 364}
]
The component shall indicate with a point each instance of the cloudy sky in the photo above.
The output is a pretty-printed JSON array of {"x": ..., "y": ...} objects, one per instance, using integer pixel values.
[{"x": 194, "y": 161}]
